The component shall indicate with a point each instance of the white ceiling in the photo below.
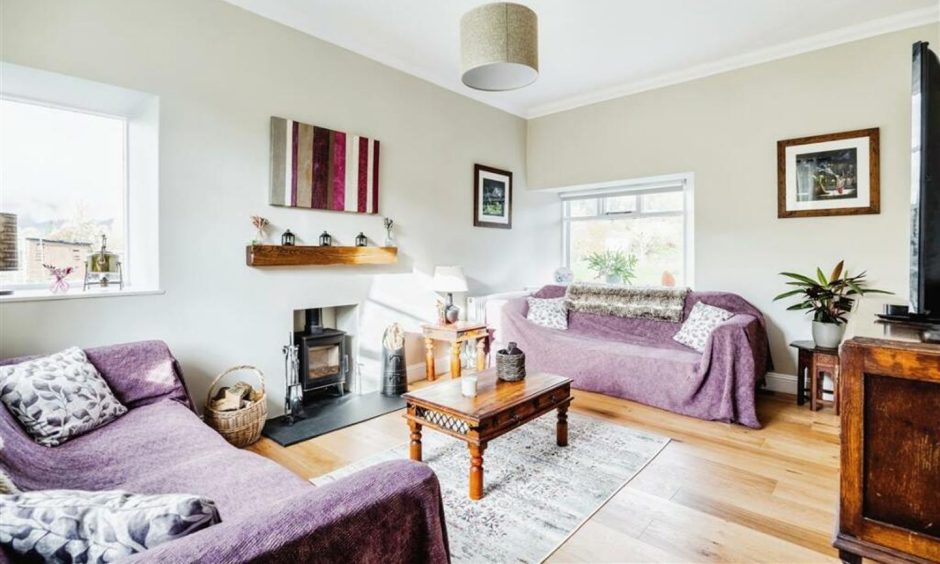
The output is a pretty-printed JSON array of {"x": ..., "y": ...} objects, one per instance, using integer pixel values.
[{"x": 592, "y": 50}]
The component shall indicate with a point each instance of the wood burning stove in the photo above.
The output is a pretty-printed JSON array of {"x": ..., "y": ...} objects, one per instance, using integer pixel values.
[{"x": 322, "y": 354}]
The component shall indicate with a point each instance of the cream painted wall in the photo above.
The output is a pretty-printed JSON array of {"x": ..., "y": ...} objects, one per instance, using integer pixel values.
[
  {"x": 220, "y": 73},
  {"x": 724, "y": 129}
]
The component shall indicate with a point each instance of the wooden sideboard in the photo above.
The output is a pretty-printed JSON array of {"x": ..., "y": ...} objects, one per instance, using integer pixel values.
[{"x": 890, "y": 466}]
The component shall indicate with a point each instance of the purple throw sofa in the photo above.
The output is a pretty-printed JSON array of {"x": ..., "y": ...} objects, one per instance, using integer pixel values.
[
  {"x": 637, "y": 359},
  {"x": 391, "y": 512}
]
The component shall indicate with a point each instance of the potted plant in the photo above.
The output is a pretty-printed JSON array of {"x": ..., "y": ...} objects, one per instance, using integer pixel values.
[
  {"x": 615, "y": 266},
  {"x": 828, "y": 299}
]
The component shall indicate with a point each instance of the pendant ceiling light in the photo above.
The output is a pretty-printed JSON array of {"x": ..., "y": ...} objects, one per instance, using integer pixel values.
[{"x": 499, "y": 47}]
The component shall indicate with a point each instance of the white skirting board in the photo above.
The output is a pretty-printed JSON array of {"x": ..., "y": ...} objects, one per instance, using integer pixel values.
[{"x": 783, "y": 383}]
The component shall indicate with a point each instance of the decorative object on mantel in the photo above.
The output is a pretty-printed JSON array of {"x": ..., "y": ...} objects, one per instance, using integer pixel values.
[
  {"x": 260, "y": 225},
  {"x": 563, "y": 275},
  {"x": 312, "y": 255},
  {"x": 59, "y": 275},
  {"x": 492, "y": 197},
  {"x": 361, "y": 240},
  {"x": 499, "y": 47},
  {"x": 317, "y": 168},
  {"x": 9, "y": 253},
  {"x": 510, "y": 363},
  {"x": 237, "y": 412},
  {"x": 389, "y": 238},
  {"x": 288, "y": 239},
  {"x": 829, "y": 299},
  {"x": 615, "y": 266},
  {"x": 326, "y": 239},
  {"x": 449, "y": 279},
  {"x": 103, "y": 268},
  {"x": 394, "y": 375},
  {"x": 294, "y": 393},
  {"x": 832, "y": 174}
]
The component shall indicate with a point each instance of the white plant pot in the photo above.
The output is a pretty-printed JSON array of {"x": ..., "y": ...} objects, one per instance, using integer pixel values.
[
  {"x": 828, "y": 335},
  {"x": 612, "y": 279}
]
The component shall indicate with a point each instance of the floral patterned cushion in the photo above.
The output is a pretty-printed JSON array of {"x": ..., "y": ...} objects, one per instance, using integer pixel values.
[
  {"x": 80, "y": 526},
  {"x": 550, "y": 312},
  {"x": 58, "y": 397},
  {"x": 701, "y": 322}
]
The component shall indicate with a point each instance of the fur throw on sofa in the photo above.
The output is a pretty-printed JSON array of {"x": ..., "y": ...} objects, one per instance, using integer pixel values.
[{"x": 663, "y": 304}]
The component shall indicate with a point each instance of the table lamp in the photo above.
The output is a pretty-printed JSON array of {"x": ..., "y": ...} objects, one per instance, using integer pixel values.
[
  {"x": 9, "y": 257},
  {"x": 449, "y": 279}
]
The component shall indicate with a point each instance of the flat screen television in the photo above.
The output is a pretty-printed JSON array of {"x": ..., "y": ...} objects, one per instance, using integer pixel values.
[{"x": 925, "y": 185}]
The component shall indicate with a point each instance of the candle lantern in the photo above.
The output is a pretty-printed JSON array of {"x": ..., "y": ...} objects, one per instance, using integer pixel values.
[
  {"x": 287, "y": 239},
  {"x": 361, "y": 240},
  {"x": 326, "y": 239}
]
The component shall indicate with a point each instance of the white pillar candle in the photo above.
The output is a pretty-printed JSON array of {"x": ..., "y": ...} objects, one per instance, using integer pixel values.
[{"x": 468, "y": 385}]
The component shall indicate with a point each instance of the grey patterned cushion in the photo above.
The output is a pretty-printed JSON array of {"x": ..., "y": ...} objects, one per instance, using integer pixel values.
[
  {"x": 79, "y": 526},
  {"x": 58, "y": 397},
  {"x": 701, "y": 322},
  {"x": 550, "y": 312},
  {"x": 6, "y": 484}
]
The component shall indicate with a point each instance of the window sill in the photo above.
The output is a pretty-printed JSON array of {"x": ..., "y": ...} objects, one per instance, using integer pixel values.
[{"x": 74, "y": 294}]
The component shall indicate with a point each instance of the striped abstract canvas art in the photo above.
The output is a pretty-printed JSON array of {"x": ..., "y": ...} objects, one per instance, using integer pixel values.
[{"x": 318, "y": 168}]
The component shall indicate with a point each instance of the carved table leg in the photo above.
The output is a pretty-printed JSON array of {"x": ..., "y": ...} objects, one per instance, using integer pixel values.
[
  {"x": 476, "y": 471},
  {"x": 429, "y": 359},
  {"x": 481, "y": 355},
  {"x": 849, "y": 557},
  {"x": 814, "y": 387},
  {"x": 561, "y": 428},
  {"x": 415, "y": 450},
  {"x": 455, "y": 359},
  {"x": 836, "y": 389}
]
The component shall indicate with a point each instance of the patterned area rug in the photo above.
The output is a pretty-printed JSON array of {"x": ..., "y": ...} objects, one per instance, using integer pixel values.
[{"x": 536, "y": 494}]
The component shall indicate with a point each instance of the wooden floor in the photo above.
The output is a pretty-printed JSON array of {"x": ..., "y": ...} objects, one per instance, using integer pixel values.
[{"x": 717, "y": 492}]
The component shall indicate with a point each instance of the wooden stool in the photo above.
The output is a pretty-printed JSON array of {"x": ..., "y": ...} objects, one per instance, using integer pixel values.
[
  {"x": 813, "y": 364},
  {"x": 455, "y": 334}
]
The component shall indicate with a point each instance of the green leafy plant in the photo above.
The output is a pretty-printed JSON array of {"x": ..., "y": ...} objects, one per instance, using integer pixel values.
[
  {"x": 613, "y": 263},
  {"x": 828, "y": 299}
]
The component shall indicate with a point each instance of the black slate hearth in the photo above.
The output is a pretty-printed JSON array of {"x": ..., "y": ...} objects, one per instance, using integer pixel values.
[{"x": 329, "y": 413}]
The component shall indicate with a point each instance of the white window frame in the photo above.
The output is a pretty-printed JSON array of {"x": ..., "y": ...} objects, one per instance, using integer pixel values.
[
  {"x": 140, "y": 113},
  {"x": 684, "y": 182}
]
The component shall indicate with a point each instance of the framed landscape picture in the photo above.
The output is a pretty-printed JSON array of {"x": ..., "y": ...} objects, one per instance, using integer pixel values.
[
  {"x": 492, "y": 197},
  {"x": 833, "y": 174}
]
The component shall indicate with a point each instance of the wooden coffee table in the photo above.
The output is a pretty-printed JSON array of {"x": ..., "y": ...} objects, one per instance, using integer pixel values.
[{"x": 499, "y": 407}]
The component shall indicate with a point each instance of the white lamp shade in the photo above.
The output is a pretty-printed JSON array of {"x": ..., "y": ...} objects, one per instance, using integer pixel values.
[
  {"x": 499, "y": 47},
  {"x": 449, "y": 279}
]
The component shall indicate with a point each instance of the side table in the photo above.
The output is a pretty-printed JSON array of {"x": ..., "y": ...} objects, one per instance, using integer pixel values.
[
  {"x": 812, "y": 364},
  {"x": 456, "y": 334}
]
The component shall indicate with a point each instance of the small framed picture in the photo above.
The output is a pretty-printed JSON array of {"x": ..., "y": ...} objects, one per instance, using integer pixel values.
[
  {"x": 833, "y": 174},
  {"x": 492, "y": 197}
]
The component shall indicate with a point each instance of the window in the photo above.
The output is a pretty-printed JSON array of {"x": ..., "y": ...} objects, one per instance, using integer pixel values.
[
  {"x": 62, "y": 174},
  {"x": 648, "y": 222},
  {"x": 79, "y": 164}
]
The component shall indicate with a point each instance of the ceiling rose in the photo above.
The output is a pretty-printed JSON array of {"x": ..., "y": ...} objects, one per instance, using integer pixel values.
[{"x": 499, "y": 47}]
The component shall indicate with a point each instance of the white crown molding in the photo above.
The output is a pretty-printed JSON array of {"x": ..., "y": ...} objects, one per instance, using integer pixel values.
[{"x": 865, "y": 30}]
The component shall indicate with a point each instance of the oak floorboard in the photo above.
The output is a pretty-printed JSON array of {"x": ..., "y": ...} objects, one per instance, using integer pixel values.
[{"x": 716, "y": 493}]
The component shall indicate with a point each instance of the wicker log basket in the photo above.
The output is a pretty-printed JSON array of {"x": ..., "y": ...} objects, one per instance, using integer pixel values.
[{"x": 240, "y": 427}]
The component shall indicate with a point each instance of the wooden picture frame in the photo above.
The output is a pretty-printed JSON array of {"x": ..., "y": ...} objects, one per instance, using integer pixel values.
[
  {"x": 492, "y": 197},
  {"x": 833, "y": 174}
]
